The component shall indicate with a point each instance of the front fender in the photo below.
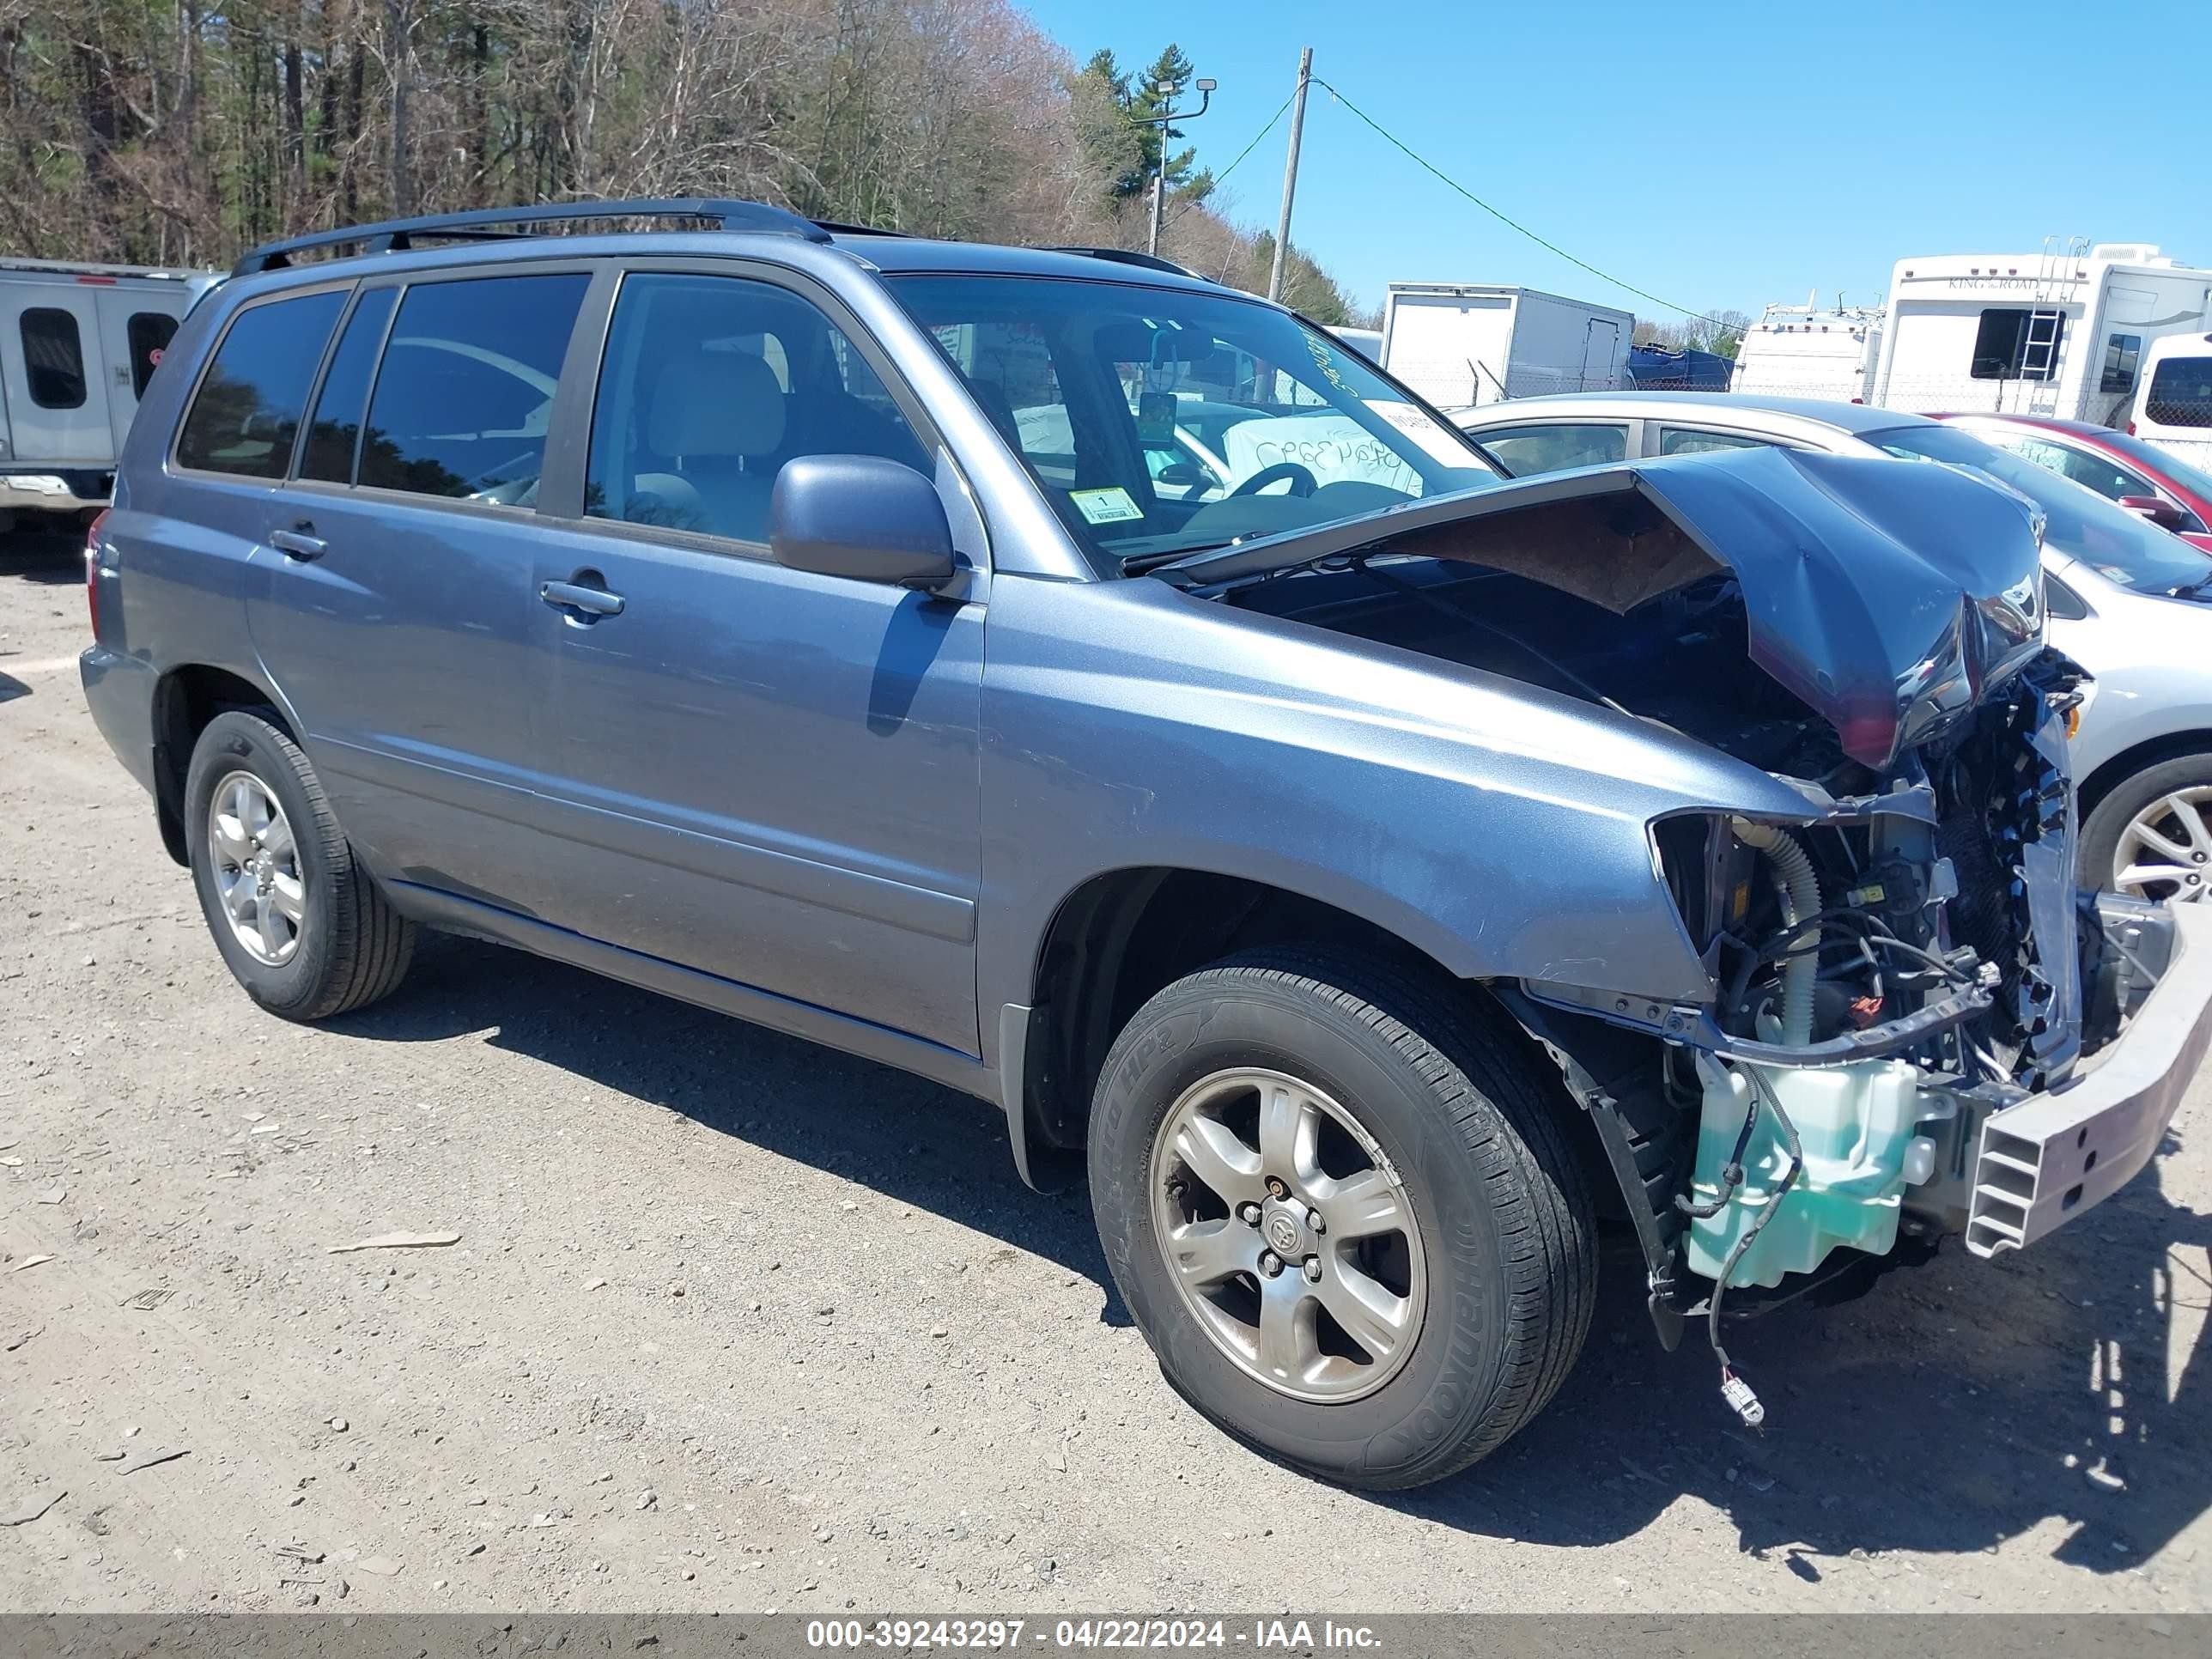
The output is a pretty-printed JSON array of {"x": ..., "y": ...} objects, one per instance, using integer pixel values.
[{"x": 1501, "y": 829}]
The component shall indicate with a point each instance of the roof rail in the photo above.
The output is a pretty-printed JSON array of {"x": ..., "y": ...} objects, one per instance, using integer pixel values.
[
  {"x": 1126, "y": 256},
  {"x": 391, "y": 235},
  {"x": 837, "y": 229}
]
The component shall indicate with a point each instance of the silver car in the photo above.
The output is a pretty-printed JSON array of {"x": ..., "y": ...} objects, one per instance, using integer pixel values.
[{"x": 2121, "y": 597}]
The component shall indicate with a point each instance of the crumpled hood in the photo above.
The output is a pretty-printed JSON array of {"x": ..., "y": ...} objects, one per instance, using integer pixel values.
[{"x": 1887, "y": 597}]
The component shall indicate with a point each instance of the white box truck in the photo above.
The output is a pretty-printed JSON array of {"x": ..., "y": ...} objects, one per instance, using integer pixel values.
[
  {"x": 77, "y": 344},
  {"x": 2059, "y": 333},
  {"x": 1461, "y": 344}
]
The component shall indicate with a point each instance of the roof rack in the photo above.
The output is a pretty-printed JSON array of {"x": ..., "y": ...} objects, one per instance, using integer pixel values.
[
  {"x": 837, "y": 229},
  {"x": 1125, "y": 256},
  {"x": 484, "y": 224}
]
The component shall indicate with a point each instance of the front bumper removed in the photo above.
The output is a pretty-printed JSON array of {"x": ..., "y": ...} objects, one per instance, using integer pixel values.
[{"x": 2058, "y": 1153}]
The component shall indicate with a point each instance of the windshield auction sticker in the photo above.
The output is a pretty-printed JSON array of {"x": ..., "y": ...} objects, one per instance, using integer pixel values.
[{"x": 1108, "y": 505}]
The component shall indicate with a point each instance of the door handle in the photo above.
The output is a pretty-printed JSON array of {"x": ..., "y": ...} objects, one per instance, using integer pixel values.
[
  {"x": 581, "y": 596},
  {"x": 296, "y": 544}
]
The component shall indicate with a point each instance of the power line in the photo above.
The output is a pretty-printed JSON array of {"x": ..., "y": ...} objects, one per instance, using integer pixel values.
[
  {"x": 1241, "y": 154},
  {"x": 1429, "y": 166},
  {"x": 1256, "y": 137}
]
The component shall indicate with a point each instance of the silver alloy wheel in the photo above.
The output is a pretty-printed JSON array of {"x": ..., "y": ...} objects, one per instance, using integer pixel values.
[
  {"x": 2165, "y": 851},
  {"x": 257, "y": 868},
  {"x": 1288, "y": 1233}
]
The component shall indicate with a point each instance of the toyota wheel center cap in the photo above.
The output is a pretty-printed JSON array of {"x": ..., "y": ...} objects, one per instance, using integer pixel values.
[{"x": 1285, "y": 1231}]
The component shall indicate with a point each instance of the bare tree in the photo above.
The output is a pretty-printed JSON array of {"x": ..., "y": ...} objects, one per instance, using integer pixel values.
[{"x": 179, "y": 129}]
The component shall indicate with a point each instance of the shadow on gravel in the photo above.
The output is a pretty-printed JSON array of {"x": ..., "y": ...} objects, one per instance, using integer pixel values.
[
  {"x": 1954, "y": 1406},
  {"x": 912, "y": 1140},
  {"x": 42, "y": 556}
]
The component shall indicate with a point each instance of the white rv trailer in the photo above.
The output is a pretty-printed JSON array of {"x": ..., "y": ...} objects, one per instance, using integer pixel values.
[
  {"x": 2059, "y": 333},
  {"x": 1810, "y": 350},
  {"x": 1463, "y": 343},
  {"x": 77, "y": 344}
]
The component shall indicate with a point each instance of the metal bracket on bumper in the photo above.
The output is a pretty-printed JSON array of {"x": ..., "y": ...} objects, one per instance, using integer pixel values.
[{"x": 2056, "y": 1154}]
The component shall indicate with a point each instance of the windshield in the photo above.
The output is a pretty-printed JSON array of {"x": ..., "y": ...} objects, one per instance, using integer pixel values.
[
  {"x": 2083, "y": 525},
  {"x": 2193, "y": 479},
  {"x": 1160, "y": 420}
]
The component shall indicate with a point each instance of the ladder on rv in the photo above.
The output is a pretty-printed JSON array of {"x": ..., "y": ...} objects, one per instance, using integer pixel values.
[{"x": 2039, "y": 346}]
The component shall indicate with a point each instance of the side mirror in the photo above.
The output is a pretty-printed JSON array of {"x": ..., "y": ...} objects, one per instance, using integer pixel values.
[
  {"x": 2159, "y": 511},
  {"x": 862, "y": 517}
]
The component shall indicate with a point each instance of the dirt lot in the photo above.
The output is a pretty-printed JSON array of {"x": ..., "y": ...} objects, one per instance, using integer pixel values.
[{"x": 735, "y": 1322}]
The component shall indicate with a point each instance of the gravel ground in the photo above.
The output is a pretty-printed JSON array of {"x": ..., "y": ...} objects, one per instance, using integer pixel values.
[{"x": 735, "y": 1322}]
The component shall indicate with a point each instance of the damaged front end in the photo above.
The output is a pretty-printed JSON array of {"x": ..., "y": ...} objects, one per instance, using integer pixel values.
[{"x": 1911, "y": 1025}]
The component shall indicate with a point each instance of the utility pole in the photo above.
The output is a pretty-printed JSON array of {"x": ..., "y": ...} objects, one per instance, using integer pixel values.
[
  {"x": 1159, "y": 189},
  {"x": 1291, "y": 173},
  {"x": 1165, "y": 121}
]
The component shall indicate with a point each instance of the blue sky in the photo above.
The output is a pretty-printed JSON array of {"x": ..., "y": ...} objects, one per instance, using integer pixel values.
[{"x": 1717, "y": 153}]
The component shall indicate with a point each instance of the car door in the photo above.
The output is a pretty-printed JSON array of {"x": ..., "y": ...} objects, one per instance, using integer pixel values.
[
  {"x": 135, "y": 327},
  {"x": 395, "y": 614},
  {"x": 768, "y": 775}
]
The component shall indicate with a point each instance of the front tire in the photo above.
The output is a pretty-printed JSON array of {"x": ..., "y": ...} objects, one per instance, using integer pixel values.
[
  {"x": 1422, "y": 1258},
  {"x": 300, "y": 925},
  {"x": 2151, "y": 836}
]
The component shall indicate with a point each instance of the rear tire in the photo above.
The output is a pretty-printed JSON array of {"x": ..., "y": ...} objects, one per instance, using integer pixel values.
[
  {"x": 303, "y": 927},
  {"x": 1445, "y": 1112}
]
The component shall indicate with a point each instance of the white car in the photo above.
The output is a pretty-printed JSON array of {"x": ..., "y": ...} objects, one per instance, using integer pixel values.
[{"x": 2122, "y": 596}]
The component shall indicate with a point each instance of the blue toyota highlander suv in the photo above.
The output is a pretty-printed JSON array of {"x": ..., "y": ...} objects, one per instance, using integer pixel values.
[{"x": 1097, "y": 691}]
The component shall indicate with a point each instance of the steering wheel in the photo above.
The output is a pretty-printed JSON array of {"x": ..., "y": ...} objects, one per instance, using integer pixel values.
[{"x": 1303, "y": 482}]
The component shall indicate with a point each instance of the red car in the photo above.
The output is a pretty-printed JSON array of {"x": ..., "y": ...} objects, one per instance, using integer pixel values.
[{"x": 2117, "y": 465}]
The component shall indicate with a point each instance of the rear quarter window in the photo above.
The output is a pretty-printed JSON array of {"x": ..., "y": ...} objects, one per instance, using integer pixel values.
[
  {"x": 248, "y": 407},
  {"x": 2181, "y": 392}
]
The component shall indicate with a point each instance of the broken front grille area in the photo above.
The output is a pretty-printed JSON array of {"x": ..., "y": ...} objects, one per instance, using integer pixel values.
[{"x": 2007, "y": 825}]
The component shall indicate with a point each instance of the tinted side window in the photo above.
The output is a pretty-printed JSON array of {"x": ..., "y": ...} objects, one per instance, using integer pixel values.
[
  {"x": 1525, "y": 451},
  {"x": 2181, "y": 392},
  {"x": 335, "y": 427},
  {"x": 53, "y": 358},
  {"x": 247, "y": 410},
  {"x": 1689, "y": 440},
  {"x": 710, "y": 384},
  {"x": 465, "y": 390},
  {"x": 148, "y": 334}
]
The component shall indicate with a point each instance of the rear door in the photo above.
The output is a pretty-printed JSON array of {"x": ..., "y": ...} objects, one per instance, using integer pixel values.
[
  {"x": 53, "y": 376},
  {"x": 1600, "y": 346},
  {"x": 396, "y": 613},
  {"x": 136, "y": 326}
]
